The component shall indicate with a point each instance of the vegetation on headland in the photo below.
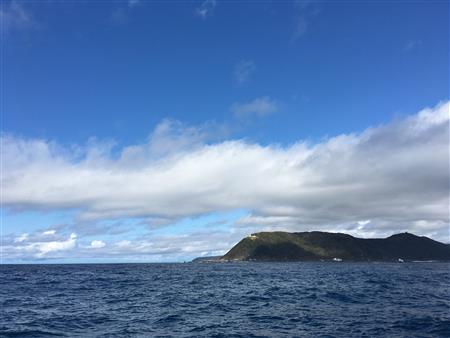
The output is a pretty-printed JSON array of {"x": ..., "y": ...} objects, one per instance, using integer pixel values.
[{"x": 317, "y": 246}]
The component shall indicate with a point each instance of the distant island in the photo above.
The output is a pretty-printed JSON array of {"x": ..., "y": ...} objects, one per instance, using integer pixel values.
[{"x": 325, "y": 246}]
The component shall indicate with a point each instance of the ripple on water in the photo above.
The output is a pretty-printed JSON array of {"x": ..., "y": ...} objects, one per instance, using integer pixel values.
[{"x": 225, "y": 300}]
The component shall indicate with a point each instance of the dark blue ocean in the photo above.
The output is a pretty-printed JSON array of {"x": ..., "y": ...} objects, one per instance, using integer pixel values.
[{"x": 226, "y": 300}]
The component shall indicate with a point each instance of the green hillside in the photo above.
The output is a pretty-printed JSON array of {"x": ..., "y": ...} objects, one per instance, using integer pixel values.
[{"x": 315, "y": 245}]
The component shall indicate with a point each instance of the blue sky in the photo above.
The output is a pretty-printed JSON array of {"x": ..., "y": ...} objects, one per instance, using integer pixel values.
[{"x": 87, "y": 84}]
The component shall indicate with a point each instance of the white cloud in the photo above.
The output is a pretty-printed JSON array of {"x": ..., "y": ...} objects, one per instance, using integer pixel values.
[
  {"x": 124, "y": 244},
  {"x": 171, "y": 247},
  {"x": 258, "y": 107},
  {"x": 23, "y": 237},
  {"x": 243, "y": 71},
  {"x": 49, "y": 232},
  {"x": 206, "y": 8},
  {"x": 15, "y": 17},
  {"x": 25, "y": 246},
  {"x": 47, "y": 247},
  {"x": 97, "y": 244},
  {"x": 363, "y": 223},
  {"x": 396, "y": 176}
]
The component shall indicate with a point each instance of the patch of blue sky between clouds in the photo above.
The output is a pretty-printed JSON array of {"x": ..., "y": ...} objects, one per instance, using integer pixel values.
[{"x": 31, "y": 221}]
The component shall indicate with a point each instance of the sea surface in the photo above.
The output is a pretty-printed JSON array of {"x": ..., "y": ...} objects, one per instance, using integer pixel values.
[{"x": 226, "y": 300}]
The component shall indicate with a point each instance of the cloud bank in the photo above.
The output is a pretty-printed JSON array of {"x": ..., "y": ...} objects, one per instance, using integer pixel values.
[
  {"x": 385, "y": 179},
  {"x": 39, "y": 245},
  {"x": 177, "y": 247}
]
